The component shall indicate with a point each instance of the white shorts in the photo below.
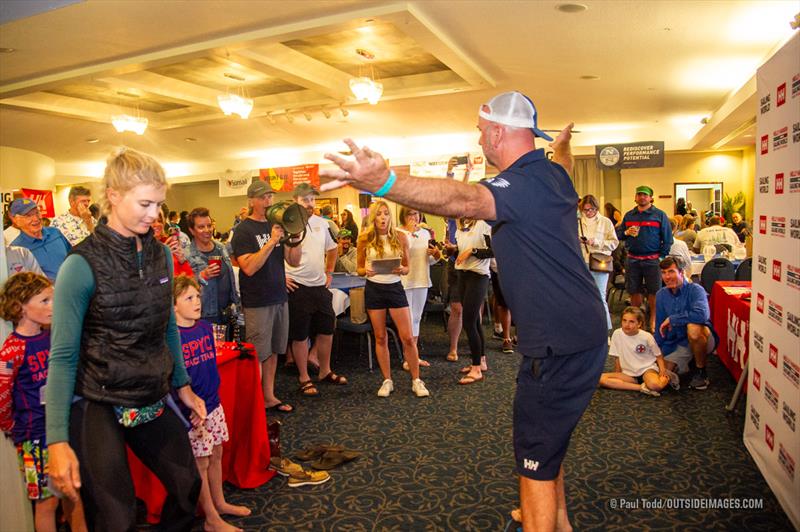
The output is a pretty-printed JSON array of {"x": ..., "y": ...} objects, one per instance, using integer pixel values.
[
  {"x": 682, "y": 355},
  {"x": 210, "y": 433}
]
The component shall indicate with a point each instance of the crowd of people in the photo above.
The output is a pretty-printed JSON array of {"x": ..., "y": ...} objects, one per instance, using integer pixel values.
[{"x": 107, "y": 305}]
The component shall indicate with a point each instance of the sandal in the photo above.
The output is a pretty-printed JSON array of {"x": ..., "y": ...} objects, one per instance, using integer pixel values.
[
  {"x": 285, "y": 408},
  {"x": 308, "y": 389},
  {"x": 333, "y": 378},
  {"x": 467, "y": 369},
  {"x": 469, "y": 379},
  {"x": 452, "y": 357}
]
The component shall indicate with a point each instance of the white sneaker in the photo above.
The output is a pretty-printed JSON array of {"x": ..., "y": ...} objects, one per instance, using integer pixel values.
[
  {"x": 418, "y": 387},
  {"x": 647, "y": 391},
  {"x": 674, "y": 380},
  {"x": 386, "y": 388}
]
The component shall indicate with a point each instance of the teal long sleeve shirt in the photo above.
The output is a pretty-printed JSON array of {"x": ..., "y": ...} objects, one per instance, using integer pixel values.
[{"x": 73, "y": 292}]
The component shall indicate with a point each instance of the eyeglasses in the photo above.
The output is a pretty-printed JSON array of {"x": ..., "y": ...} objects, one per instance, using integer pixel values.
[{"x": 589, "y": 209}]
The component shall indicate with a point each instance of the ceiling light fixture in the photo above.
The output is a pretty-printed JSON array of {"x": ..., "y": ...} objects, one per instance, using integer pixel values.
[
  {"x": 289, "y": 117},
  {"x": 238, "y": 104},
  {"x": 590, "y": 77},
  {"x": 344, "y": 111},
  {"x": 571, "y": 8},
  {"x": 190, "y": 139},
  {"x": 326, "y": 113},
  {"x": 92, "y": 140},
  {"x": 365, "y": 87},
  {"x": 7, "y": 50},
  {"x": 308, "y": 116},
  {"x": 135, "y": 124}
]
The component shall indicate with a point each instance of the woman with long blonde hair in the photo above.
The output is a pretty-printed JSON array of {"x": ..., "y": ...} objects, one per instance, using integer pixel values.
[{"x": 384, "y": 291}]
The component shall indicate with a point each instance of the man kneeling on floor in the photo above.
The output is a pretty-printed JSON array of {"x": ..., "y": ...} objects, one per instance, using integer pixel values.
[{"x": 683, "y": 324}]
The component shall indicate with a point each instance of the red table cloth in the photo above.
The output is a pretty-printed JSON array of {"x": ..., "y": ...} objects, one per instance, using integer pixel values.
[
  {"x": 730, "y": 315},
  {"x": 245, "y": 457}
]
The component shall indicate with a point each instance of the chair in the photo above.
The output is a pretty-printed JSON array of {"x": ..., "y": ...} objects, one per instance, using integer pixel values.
[
  {"x": 718, "y": 269},
  {"x": 437, "y": 293},
  {"x": 744, "y": 272},
  {"x": 363, "y": 330}
]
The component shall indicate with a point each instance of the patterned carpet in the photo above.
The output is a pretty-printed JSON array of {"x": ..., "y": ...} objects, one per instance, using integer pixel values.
[{"x": 446, "y": 462}]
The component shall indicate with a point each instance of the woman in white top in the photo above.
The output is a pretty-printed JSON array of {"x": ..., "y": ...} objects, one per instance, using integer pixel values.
[
  {"x": 418, "y": 279},
  {"x": 384, "y": 291},
  {"x": 472, "y": 263},
  {"x": 597, "y": 235}
]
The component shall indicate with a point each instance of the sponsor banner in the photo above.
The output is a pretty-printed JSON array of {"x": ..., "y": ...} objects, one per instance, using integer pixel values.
[
  {"x": 457, "y": 165},
  {"x": 43, "y": 198},
  {"x": 286, "y": 178},
  {"x": 770, "y": 432},
  {"x": 234, "y": 183},
  {"x": 649, "y": 154}
]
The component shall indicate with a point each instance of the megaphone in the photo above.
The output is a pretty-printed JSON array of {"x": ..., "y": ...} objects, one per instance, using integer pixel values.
[{"x": 292, "y": 217}]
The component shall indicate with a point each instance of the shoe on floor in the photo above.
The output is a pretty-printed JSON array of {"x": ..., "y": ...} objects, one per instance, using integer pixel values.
[
  {"x": 508, "y": 347},
  {"x": 498, "y": 335},
  {"x": 284, "y": 466},
  {"x": 418, "y": 387},
  {"x": 308, "y": 478},
  {"x": 674, "y": 380},
  {"x": 699, "y": 381},
  {"x": 386, "y": 388},
  {"x": 647, "y": 391}
]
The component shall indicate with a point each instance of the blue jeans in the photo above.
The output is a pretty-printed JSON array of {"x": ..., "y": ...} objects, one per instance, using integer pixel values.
[{"x": 601, "y": 280}]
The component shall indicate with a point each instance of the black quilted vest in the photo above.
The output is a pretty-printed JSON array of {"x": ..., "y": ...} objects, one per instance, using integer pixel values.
[{"x": 124, "y": 359}]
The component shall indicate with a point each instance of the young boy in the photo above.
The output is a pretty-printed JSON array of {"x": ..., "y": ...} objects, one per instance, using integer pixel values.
[
  {"x": 26, "y": 300},
  {"x": 639, "y": 365},
  {"x": 200, "y": 357}
]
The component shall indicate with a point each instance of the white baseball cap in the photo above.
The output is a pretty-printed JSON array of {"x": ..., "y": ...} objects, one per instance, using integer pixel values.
[{"x": 512, "y": 109}]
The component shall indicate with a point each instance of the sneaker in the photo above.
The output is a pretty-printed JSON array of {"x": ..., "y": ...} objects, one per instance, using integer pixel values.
[
  {"x": 418, "y": 387},
  {"x": 699, "y": 381},
  {"x": 284, "y": 466},
  {"x": 306, "y": 477},
  {"x": 508, "y": 347},
  {"x": 674, "y": 380},
  {"x": 498, "y": 335},
  {"x": 647, "y": 391},
  {"x": 386, "y": 388}
]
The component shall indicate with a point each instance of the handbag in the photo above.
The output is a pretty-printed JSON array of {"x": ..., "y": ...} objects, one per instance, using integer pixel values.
[{"x": 598, "y": 262}]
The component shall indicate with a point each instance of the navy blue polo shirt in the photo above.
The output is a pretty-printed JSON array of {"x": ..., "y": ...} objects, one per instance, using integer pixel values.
[{"x": 546, "y": 283}]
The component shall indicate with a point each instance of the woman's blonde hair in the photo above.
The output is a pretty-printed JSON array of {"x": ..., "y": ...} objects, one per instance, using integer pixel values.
[
  {"x": 686, "y": 223},
  {"x": 372, "y": 235},
  {"x": 127, "y": 169}
]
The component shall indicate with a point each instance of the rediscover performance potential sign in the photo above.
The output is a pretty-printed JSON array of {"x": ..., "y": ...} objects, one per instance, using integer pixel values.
[{"x": 649, "y": 154}]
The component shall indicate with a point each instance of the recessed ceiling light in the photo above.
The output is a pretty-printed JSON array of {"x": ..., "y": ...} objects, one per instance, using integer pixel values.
[
  {"x": 667, "y": 29},
  {"x": 190, "y": 139},
  {"x": 590, "y": 77},
  {"x": 93, "y": 140},
  {"x": 7, "y": 50},
  {"x": 571, "y": 8}
]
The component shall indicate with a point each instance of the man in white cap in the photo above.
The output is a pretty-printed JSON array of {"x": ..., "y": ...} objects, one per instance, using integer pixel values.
[{"x": 560, "y": 317}]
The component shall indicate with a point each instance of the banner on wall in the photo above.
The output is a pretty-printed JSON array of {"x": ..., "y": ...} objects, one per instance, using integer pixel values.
[
  {"x": 285, "y": 178},
  {"x": 43, "y": 198},
  {"x": 773, "y": 398},
  {"x": 436, "y": 166},
  {"x": 649, "y": 154},
  {"x": 234, "y": 183}
]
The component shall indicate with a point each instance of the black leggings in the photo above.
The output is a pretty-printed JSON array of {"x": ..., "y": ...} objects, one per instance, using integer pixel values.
[
  {"x": 472, "y": 287},
  {"x": 107, "y": 489}
]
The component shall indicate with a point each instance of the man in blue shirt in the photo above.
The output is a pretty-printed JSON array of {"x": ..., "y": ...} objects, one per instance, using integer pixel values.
[
  {"x": 684, "y": 330},
  {"x": 647, "y": 236},
  {"x": 559, "y": 314},
  {"x": 47, "y": 244}
]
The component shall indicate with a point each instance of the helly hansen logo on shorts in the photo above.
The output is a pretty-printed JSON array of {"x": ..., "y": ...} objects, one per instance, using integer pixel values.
[
  {"x": 773, "y": 355},
  {"x": 530, "y": 465}
]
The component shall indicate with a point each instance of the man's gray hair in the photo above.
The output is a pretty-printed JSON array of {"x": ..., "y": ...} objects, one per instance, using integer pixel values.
[{"x": 79, "y": 190}]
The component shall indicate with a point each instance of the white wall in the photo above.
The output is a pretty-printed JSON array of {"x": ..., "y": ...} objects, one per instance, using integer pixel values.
[{"x": 23, "y": 168}]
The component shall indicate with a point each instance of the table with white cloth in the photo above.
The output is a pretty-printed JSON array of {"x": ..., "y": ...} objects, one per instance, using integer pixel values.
[{"x": 340, "y": 288}]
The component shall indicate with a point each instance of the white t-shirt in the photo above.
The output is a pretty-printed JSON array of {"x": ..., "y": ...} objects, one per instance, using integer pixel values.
[
  {"x": 636, "y": 353},
  {"x": 419, "y": 262},
  {"x": 474, "y": 238},
  {"x": 715, "y": 234},
  {"x": 318, "y": 241}
]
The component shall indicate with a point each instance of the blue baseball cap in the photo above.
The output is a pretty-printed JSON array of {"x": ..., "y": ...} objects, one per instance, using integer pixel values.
[
  {"x": 22, "y": 206},
  {"x": 512, "y": 109}
]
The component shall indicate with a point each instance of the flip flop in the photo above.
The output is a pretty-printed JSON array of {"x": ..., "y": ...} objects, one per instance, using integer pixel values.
[
  {"x": 467, "y": 369},
  {"x": 308, "y": 389},
  {"x": 452, "y": 357},
  {"x": 282, "y": 407},
  {"x": 333, "y": 378},
  {"x": 469, "y": 379}
]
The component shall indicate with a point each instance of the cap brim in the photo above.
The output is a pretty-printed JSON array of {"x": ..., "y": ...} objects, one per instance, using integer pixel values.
[{"x": 539, "y": 133}]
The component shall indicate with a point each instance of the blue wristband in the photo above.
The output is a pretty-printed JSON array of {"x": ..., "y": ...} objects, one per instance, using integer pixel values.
[{"x": 387, "y": 186}]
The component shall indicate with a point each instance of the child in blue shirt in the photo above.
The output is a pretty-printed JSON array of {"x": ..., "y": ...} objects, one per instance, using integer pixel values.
[
  {"x": 200, "y": 357},
  {"x": 26, "y": 300}
]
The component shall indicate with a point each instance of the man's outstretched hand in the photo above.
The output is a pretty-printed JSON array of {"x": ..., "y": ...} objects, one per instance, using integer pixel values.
[{"x": 367, "y": 169}]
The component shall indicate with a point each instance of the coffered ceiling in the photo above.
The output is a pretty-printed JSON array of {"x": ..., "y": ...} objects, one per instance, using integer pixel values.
[{"x": 622, "y": 70}]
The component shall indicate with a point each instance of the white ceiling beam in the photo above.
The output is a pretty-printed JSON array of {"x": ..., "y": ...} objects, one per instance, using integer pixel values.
[
  {"x": 171, "y": 88},
  {"x": 72, "y": 107}
]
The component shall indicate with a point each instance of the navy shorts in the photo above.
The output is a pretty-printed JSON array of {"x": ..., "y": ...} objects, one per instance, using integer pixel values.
[
  {"x": 453, "y": 293},
  {"x": 637, "y": 271},
  {"x": 378, "y": 296},
  {"x": 552, "y": 394}
]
